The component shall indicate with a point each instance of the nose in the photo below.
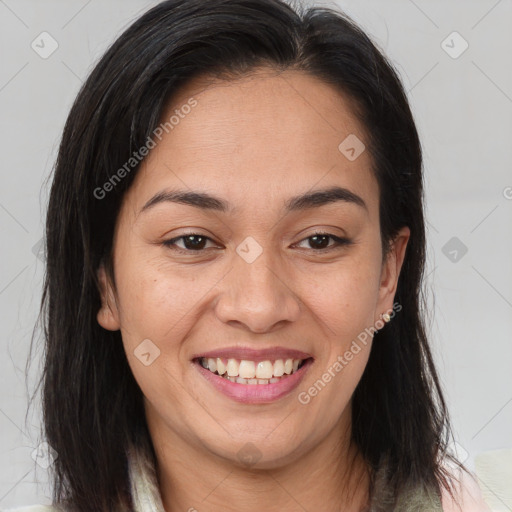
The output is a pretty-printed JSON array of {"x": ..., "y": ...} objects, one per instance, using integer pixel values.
[{"x": 257, "y": 295}]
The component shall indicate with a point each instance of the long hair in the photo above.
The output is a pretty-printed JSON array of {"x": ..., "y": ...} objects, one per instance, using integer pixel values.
[{"x": 92, "y": 405}]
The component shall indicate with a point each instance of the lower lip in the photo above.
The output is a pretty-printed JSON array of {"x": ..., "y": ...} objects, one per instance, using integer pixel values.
[{"x": 255, "y": 393}]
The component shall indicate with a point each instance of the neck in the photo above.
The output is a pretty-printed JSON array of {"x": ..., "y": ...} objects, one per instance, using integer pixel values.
[{"x": 332, "y": 475}]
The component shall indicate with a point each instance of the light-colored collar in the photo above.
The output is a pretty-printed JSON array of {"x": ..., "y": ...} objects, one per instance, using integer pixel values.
[{"x": 143, "y": 482}]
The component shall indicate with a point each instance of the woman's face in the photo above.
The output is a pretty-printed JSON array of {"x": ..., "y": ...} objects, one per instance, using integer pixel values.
[{"x": 253, "y": 288}]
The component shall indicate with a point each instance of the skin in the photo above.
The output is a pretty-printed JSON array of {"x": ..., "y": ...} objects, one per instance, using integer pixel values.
[{"x": 255, "y": 142}]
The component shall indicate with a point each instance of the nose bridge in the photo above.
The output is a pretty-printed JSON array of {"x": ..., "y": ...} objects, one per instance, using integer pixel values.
[
  {"x": 256, "y": 272},
  {"x": 254, "y": 293}
]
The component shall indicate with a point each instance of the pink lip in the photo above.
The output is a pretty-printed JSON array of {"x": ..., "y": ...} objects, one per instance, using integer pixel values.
[
  {"x": 257, "y": 393},
  {"x": 256, "y": 355}
]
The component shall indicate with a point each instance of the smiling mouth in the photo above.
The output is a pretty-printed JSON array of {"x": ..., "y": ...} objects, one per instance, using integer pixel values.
[{"x": 252, "y": 372}]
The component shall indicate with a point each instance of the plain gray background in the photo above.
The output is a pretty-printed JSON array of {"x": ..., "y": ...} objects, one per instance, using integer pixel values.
[{"x": 462, "y": 102}]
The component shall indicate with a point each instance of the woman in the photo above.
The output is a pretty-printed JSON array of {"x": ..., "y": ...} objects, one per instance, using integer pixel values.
[{"x": 235, "y": 250}]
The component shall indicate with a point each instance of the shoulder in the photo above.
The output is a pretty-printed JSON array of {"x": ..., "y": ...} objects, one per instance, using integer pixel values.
[
  {"x": 467, "y": 495},
  {"x": 32, "y": 508}
]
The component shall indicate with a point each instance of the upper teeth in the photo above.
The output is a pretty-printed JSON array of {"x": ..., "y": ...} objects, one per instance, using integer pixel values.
[{"x": 251, "y": 369}]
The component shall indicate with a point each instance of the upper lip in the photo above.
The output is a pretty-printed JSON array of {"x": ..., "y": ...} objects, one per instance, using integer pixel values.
[{"x": 251, "y": 354}]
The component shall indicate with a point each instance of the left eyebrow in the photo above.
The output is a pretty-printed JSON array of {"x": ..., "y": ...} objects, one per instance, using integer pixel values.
[
  {"x": 322, "y": 197},
  {"x": 205, "y": 201}
]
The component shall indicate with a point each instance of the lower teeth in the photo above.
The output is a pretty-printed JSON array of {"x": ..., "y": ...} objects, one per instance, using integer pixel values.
[{"x": 240, "y": 380}]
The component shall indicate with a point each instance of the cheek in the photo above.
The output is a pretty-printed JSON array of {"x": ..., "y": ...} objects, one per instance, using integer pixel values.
[
  {"x": 345, "y": 303},
  {"x": 155, "y": 309},
  {"x": 344, "y": 298},
  {"x": 152, "y": 307},
  {"x": 160, "y": 300}
]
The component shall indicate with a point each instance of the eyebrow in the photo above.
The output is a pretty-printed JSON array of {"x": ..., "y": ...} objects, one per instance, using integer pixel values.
[{"x": 301, "y": 202}]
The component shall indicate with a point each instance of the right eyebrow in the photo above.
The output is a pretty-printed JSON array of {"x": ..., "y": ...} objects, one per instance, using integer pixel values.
[{"x": 198, "y": 199}]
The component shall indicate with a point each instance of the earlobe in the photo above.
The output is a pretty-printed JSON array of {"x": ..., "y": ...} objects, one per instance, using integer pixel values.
[{"x": 108, "y": 316}]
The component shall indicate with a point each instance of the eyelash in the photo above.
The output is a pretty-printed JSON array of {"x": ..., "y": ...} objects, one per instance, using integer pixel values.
[{"x": 339, "y": 243}]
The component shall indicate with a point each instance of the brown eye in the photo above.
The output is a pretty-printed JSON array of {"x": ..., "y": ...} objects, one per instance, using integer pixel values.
[
  {"x": 320, "y": 242},
  {"x": 191, "y": 242}
]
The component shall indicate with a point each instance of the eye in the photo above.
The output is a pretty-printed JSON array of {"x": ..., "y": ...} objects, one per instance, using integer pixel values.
[
  {"x": 193, "y": 242},
  {"x": 320, "y": 241}
]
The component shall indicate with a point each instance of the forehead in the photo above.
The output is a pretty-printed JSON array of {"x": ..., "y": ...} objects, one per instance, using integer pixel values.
[{"x": 257, "y": 140}]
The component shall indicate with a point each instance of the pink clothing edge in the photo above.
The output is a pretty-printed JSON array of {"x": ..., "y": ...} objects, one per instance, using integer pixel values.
[{"x": 467, "y": 493}]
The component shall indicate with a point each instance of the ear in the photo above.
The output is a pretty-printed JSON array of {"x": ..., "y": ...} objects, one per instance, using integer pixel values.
[
  {"x": 391, "y": 272},
  {"x": 108, "y": 315}
]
